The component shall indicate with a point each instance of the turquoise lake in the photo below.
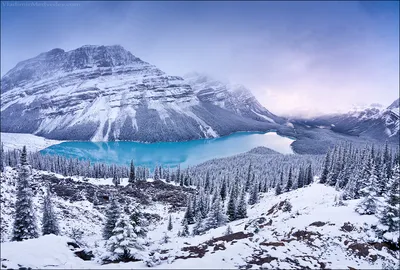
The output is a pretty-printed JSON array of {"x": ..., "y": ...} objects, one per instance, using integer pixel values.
[{"x": 170, "y": 154}]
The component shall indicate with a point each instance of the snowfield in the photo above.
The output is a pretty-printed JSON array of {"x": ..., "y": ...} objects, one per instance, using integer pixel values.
[
  {"x": 314, "y": 233},
  {"x": 18, "y": 140}
]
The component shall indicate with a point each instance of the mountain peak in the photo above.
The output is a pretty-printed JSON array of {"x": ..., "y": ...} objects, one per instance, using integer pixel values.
[
  {"x": 395, "y": 104},
  {"x": 57, "y": 61}
]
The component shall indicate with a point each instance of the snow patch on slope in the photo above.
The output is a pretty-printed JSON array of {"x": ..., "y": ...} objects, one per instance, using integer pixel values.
[{"x": 18, "y": 140}]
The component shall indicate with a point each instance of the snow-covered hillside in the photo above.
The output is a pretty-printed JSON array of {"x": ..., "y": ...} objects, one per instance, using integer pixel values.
[
  {"x": 12, "y": 141},
  {"x": 303, "y": 228},
  {"x": 102, "y": 93}
]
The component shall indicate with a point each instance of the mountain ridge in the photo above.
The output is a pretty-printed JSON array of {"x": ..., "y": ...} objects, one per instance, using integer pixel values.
[{"x": 104, "y": 93}]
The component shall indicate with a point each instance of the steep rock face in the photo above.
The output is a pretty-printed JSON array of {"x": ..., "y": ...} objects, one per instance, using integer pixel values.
[{"x": 104, "y": 93}]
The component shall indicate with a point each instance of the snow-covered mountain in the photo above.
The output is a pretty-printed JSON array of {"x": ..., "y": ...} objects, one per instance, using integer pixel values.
[
  {"x": 369, "y": 122},
  {"x": 233, "y": 97},
  {"x": 104, "y": 93}
]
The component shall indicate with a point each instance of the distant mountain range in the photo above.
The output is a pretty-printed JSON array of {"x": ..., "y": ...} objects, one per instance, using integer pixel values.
[
  {"x": 373, "y": 122},
  {"x": 105, "y": 93}
]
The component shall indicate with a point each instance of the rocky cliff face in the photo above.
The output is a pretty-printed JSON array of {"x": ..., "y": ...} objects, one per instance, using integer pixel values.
[{"x": 105, "y": 93}]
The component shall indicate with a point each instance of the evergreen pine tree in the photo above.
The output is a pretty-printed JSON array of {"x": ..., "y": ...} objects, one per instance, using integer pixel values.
[
  {"x": 2, "y": 158},
  {"x": 137, "y": 221},
  {"x": 24, "y": 226},
  {"x": 115, "y": 180},
  {"x": 289, "y": 182},
  {"x": 132, "y": 177},
  {"x": 185, "y": 230},
  {"x": 165, "y": 239},
  {"x": 156, "y": 174},
  {"x": 112, "y": 215},
  {"x": 189, "y": 214},
  {"x": 95, "y": 199},
  {"x": 207, "y": 182},
  {"x": 278, "y": 190},
  {"x": 300, "y": 178},
  {"x": 197, "y": 228},
  {"x": 387, "y": 161},
  {"x": 368, "y": 205},
  {"x": 216, "y": 217},
  {"x": 231, "y": 210},
  {"x": 253, "y": 199},
  {"x": 169, "y": 228},
  {"x": 223, "y": 191},
  {"x": 228, "y": 230},
  {"x": 390, "y": 213},
  {"x": 325, "y": 170},
  {"x": 167, "y": 176},
  {"x": 49, "y": 221},
  {"x": 241, "y": 209},
  {"x": 248, "y": 179},
  {"x": 123, "y": 243},
  {"x": 335, "y": 166},
  {"x": 309, "y": 177}
]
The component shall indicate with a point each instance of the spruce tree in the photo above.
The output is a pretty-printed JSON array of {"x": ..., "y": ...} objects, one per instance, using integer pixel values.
[
  {"x": 309, "y": 177},
  {"x": 137, "y": 221},
  {"x": 241, "y": 210},
  {"x": 369, "y": 204},
  {"x": 248, "y": 179},
  {"x": 112, "y": 215},
  {"x": 216, "y": 217},
  {"x": 253, "y": 198},
  {"x": 185, "y": 230},
  {"x": 24, "y": 226},
  {"x": 351, "y": 188},
  {"x": 325, "y": 170},
  {"x": 228, "y": 230},
  {"x": 387, "y": 161},
  {"x": 169, "y": 228},
  {"x": 123, "y": 243},
  {"x": 189, "y": 214},
  {"x": 49, "y": 221},
  {"x": 207, "y": 182},
  {"x": 289, "y": 182},
  {"x": 95, "y": 198},
  {"x": 156, "y": 174},
  {"x": 2, "y": 158},
  {"x": 390, "y": 213},
  {"x": 167, "y": 176},
  {"x": 115, "y": 180},
  {"x": 198, "y": 226},
  {"x": 132, "y": 177},
  {"x": 300, "y": 178},
  {"x": 278, "y": 190},
  {"x": 335, "y": 166},
  {"x": 231, "y": 210},
  {"x": 223, "y": 191}
]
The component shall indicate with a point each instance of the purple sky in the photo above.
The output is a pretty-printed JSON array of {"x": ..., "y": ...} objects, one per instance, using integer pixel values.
[{"x": 297, "y": 57}]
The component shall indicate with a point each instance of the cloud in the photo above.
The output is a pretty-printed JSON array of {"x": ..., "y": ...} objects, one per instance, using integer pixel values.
[{"x": 308, "y": 57}]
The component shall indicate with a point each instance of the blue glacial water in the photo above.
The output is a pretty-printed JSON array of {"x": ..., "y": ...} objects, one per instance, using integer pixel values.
[{"x": 170, "y": 154}]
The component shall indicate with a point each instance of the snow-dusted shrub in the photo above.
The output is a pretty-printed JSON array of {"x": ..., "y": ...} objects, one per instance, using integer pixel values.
[
  {"x": 154, "y": 259},
  {"x": 287, "y": 206}
]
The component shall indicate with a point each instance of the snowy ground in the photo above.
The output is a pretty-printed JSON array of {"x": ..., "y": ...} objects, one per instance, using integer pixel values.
[
  {"x": 313, "y": 234},
  {"x": 18, "y": 140}
]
